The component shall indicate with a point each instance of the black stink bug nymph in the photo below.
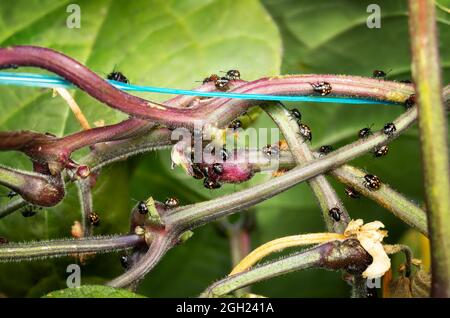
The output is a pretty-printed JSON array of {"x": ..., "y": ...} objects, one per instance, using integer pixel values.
[
  {"x": 295, "y": 113},
  {"x": 142, "y": 207},
  {"x": 364, "y": 133},
  {"x": 323, "y": 88},
  {"x": 352, "y": 193},
  {"x": 325, "y": 150},
  {"x": 29, "y": 211},
  {"x": 372, "y": 182},
  {"x": 389, "y": 129},
  {"x": 305, "y": 131},
  {"x": 171, "y": 202},
  {"x": 233, "y": 75},
  {"x": 335, "y": 213},
  {"x": 379, "y": 74},
  {"x": 222, "y": 83},
  {"x": 211, "y": 184},
  {"x": 381, "y": 151},
  {"x": 118, "y": 77},
  {"x": 410, "y": 101},
  {"x": 235, "y": 124},
  {"x": 11, "y": 194},
  {"x": 271, "y": 150},
  {"x": 217, "y": 168},
  {"x": 94, "y": 219},
  {"x": 124, "y": 261},
  {"x": 197, "y": 172}
]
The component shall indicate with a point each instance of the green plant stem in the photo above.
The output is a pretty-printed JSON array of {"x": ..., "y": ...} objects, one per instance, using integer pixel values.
[
  {"x": 86, "y": 205},
  {"x": 324, "y": 192},
  {"x": 299, "y": 148},
  {"x": 11, "y": 207},
  {"x": 433, "y": 134},
  {"x": 203, "y": 212},
  {"x": 333, "y": 255},
  {"x": 158, "y": 248},
  {"x": 191, "y": 216},
  {"x": 44, "y": 249},
  {"x": 387, "y": 197}
]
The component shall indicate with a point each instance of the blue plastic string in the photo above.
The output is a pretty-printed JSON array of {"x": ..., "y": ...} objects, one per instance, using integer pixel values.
[{"x": 38, "y": 80}]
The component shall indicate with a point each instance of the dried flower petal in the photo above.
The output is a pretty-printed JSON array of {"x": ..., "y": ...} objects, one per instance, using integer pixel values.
[{"x": 370, "y": 237}]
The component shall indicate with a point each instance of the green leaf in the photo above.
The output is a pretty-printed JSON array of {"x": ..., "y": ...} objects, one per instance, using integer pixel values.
[{"x": 93, "y": 291}]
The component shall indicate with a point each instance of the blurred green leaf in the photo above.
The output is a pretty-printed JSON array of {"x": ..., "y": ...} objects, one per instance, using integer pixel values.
[{"x": 93, "y": 291}]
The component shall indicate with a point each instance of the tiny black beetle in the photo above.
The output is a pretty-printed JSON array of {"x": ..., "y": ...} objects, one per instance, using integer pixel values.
[
  {"x": 335, "y": 213},
  {"x": 94, "y": 219},
  {"x": 389, "y": 129},
  {"x": 118, "y": 77},
  {"x": 372, "y": 182},
  {"x": 217, "y": 168},
  {"x": 352, "y": 193},
  {"x": 305, "y": 131},
  {"x": 211, "y": 184},
  {"x": 323, "y": 88},
  {"x": 142, "y": 207},
  {"x": 325, "y": 150}
]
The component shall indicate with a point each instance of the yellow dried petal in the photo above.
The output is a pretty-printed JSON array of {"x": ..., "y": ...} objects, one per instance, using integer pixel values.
[{"x": 370, "y": 237}]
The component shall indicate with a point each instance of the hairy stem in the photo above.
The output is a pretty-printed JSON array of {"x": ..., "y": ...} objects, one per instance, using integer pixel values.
[
  {"x": 158, "y": 248},
  {"x": 204, "y": 212},
  {"x": 388, "y": 198},
  {"x": 433, "y": 134},
  {"x": 85, "y": 196},
  {"x": 299, "y": 148},
  {"x": 11, "y": 207},
  {"x": 333, "y": 255}
]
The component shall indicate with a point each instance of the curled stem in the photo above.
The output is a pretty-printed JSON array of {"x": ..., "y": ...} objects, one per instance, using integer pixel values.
[
  {"x": 36, "y": 188},
  {"x": 158, "y": 248},
  {"x": 212, "y": 112}
]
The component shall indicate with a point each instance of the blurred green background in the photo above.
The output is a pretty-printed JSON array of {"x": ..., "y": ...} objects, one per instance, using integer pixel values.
[{"x": 174, "y": 43}]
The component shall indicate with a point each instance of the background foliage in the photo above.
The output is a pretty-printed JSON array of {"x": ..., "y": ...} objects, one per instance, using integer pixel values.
[{"x": 174, "y": 44}]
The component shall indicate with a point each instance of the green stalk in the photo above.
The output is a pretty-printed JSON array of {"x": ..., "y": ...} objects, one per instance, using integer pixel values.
[{"x": 433, "y": 135}]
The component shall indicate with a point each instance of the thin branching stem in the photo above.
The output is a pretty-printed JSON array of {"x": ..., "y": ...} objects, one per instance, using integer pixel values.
[
  {"x": 301, "y": 153},
  {"x": 333, "y": 255},
  {"x": 13, "y": 252}
]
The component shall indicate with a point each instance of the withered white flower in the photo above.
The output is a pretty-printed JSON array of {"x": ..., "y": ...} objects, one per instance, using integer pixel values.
[
  {"x": 371, "y": 237},
  {"x": 179, "y": 157}
]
